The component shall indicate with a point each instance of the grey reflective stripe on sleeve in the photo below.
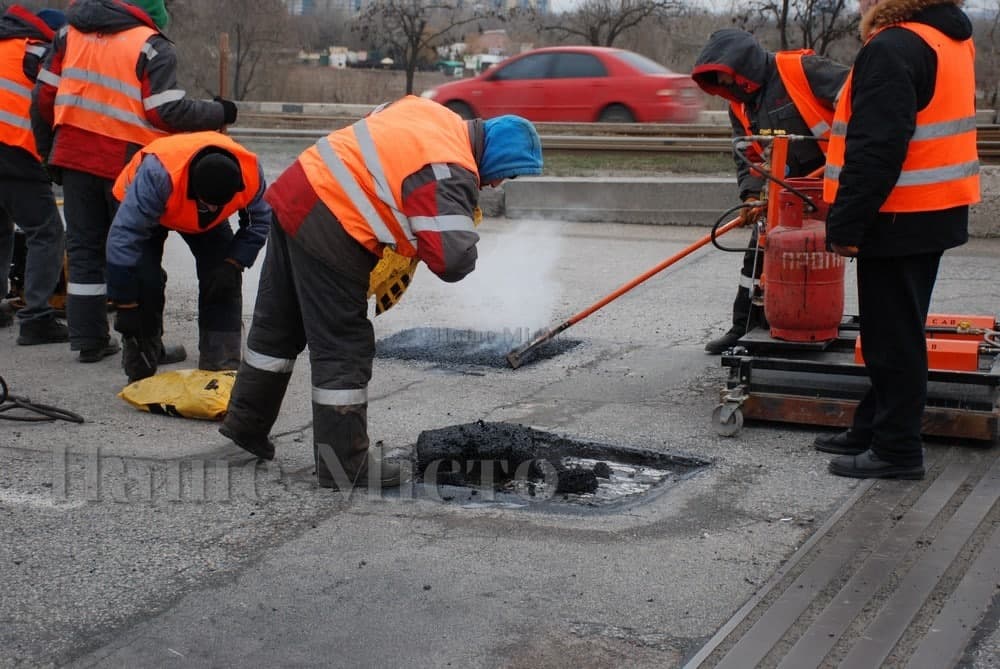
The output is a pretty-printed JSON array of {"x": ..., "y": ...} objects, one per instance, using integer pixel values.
[
  {"x": 106, "y": 110},
  {"x": 938, "y": 174},
  {"x": 374, "y": 165},
  {"x": 268, "y": 363},
  {"x": 15, "y": 88},
  {"x": 14, "y": 120},
  {"x": 47, "y": 77},
  {"x": 87, "y": 289},
  {"x": 820, "y": 129},
  {"x": 441, "y": 171},
  {"x": 442, "y": 223},
  {"x": 36, "y": 50},
  {"x": 748, "y": 281},
  {"x": 89, "y": 77},
  {"x": 337, "y": 398},
  {"x": 154, "y": 101},
  {"x": 149, "y": 51},
  {"x": 944, "y": 129},
  {"x": 346, "y": 181}
]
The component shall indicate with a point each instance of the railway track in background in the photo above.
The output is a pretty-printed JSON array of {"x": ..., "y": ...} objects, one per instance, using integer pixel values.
[{"x": 610, "y": 137}]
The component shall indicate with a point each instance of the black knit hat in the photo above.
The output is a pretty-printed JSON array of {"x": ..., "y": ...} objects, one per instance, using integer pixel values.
[{"x": 216, "y": 178}]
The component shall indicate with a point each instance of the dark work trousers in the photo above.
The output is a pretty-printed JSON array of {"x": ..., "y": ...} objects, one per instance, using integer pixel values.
[
  {"x": 746, "y": 314},
  {"x": 894, "y": 296},
  {"x": 32, "y": 206},
  {"x": 89, "y": 208},
  {"x": 220, "y": 318},
  {"x": 302, "y": 300}
]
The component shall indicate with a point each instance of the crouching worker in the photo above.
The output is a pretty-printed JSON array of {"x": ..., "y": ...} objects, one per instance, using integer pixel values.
[
  {"x": 191, "y": 183},
  {"x": 406, "y": 177}
]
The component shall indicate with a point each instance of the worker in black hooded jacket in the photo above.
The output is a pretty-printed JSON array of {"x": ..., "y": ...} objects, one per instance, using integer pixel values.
[
  {"x": 902, "y": 171},
  {"x": 788, "y": 92}
]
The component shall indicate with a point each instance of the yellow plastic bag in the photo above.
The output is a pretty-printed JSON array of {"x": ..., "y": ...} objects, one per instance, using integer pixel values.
[{"x": 188, "y": 393}]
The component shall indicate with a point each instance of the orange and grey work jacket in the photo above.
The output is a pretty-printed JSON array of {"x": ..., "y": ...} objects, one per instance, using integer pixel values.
[
  {"x": 15, "y": 93},
  {"x": 99, "y": 91},
  {"x": 941, "y": 169},
  {"x": 405, "y": 177},
  {"x": 818, "y": 117},
  {"x": 175, "y": 153}
]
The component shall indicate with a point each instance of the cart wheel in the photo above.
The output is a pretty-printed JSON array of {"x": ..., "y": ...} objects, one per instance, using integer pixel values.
[{"x": 731, "y": 425}]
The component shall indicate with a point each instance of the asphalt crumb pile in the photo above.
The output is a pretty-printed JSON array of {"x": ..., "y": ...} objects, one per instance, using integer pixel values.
[
  {"x": 497, "y": 454},
  {"x": 450, "y": 346}
]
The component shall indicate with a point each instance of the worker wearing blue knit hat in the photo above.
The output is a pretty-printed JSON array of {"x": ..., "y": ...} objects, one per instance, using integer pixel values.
[{"x": 406, "y": 178}]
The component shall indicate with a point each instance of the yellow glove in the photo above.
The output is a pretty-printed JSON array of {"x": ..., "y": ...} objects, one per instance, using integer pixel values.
[
  {"x": 751, "y": 210},
  {"x": 392, "y": 275}
]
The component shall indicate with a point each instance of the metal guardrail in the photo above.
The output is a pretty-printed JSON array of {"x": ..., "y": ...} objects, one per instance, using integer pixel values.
[{"x": 621, "y": 137}]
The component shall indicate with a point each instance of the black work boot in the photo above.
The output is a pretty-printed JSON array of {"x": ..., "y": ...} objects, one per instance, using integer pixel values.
[
  {"x": 42, "y": 331},
  {"x": 253, "y": 407},
  {"x": 171, "y": 354},
  {"x": 140, "y": 356},
  {"x": 341, "y": 450},
  {"x": 869, "y": 465},
  {"x": 725, "y": 342},
  {"x": 98, "y": 353},
  {"x": 847, "y": 442}
]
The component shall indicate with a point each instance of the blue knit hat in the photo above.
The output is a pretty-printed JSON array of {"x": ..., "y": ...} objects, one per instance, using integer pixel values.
[
  {"x": 53, "y": 18},
  {"x": 510, "y": 148}
]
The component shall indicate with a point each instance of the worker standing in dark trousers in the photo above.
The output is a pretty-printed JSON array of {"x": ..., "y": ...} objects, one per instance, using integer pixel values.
[
  {"x": 25, "y": 190},
  {"x": 788, "y": 92},
  {"x": 902, "y": 170},
  {"x": 191, "y": 183},
  {"x": 406, "y": 177},
  {"x": 108, "y": 88}
]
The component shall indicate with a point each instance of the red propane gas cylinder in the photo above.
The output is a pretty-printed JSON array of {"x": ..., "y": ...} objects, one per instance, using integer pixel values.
[{"x": 804, "y": 283}]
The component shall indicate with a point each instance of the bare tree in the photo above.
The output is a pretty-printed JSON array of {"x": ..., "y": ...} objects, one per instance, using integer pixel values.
[
  {"x": 412, "y": 29},
  {"x": 987, "y": 36},
  {"x": 802, "y": 24},
  {"x": 258, "y": 30},
  {"x": 602, "y": 22}
]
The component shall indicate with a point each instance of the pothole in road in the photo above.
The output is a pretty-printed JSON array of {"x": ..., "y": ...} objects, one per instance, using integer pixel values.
[
  {"x": 507, "y": 465},
  {"x": 455, "y": 347}
]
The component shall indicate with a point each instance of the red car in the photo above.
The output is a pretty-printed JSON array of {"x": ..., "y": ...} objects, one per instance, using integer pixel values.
[{"x": 576, "y": 84}]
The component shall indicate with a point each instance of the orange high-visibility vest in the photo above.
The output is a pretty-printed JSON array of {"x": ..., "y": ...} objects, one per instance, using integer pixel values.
[
  {"x": 98, "y": 89},
  {"x": 793, "y": 75},
  {"x": 358, "y": 171},
  {"x": 941, "y": 168},
  {"x": 175, "y": 153},
  {"x": 15, "y": 94}
]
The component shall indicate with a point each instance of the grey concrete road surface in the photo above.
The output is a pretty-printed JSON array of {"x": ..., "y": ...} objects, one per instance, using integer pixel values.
[{"x": 137, "y": 540}]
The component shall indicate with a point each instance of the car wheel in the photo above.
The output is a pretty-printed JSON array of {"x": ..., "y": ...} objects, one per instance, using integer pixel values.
[
  {"x": 460, "y": 108},
  {"x": 616, "y": 114}
]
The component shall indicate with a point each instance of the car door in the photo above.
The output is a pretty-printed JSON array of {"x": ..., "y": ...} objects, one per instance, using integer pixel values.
[
  {"x": 517, "y": 87},
  {"x": 577, "y": 89}
]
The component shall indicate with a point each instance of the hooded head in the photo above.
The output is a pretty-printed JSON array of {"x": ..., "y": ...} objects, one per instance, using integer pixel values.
[
  {"x": 156, "y": 10},
  {"x": 511, "y": 147},
  {"x": 215, "y": 178},
  {"x": 736, "y": 55},
  {"x": 53, "y": 18}
]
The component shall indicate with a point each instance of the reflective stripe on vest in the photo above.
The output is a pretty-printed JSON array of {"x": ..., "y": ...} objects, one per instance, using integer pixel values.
[
  {"x": 358, "y": 172},
  {"x": 175, "y": 153},
  {"x": 15, "y": 96},
  {"x": 99, "y": 90},
  {"x": 941, "y": 168},
  {"x": 793, "y": 75}
]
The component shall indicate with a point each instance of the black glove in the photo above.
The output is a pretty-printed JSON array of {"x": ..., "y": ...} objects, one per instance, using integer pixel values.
[
  {"x": 228, "y": 110},
  {"x": 55, "y": 173},
  {"x": 224, "y": 283},
  {"x": 244, "y": 217},
  {"x": 128, "y": 321}
]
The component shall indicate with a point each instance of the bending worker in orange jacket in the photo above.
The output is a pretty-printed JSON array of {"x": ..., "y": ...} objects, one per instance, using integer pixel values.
[
  {"x": 191, "y": 183},
  {"x": 405, "y": 177},
  {"x": 788, "y": 92}
]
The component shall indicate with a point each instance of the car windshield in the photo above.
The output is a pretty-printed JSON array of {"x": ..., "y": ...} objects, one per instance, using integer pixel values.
[{"x": 641, "y": 63}]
